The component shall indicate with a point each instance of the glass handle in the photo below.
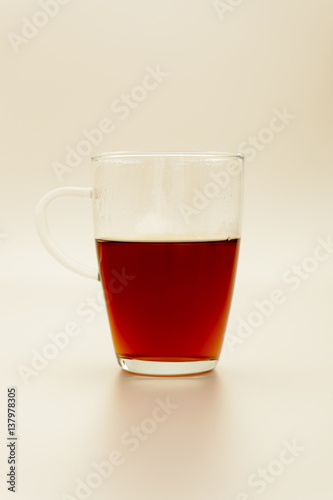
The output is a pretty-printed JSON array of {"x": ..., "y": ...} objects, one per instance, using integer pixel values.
[{"x": 45, "y": 234}]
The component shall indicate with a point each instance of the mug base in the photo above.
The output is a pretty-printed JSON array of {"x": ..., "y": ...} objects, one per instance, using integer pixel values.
[{"x": 166, "y": 368}]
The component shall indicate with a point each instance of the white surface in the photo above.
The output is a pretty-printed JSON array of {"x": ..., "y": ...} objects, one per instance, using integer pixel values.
[{"x": 274, "y": 388}]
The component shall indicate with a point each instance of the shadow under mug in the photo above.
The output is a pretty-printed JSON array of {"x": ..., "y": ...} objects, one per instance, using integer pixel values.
[{"x": 167, "y": 231}]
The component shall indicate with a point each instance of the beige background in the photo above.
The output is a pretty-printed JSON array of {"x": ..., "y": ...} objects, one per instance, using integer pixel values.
[{"x": 226, "y": 76}]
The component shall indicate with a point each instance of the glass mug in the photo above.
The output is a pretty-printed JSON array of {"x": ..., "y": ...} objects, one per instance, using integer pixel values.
[{"x": 167, "y": 231}]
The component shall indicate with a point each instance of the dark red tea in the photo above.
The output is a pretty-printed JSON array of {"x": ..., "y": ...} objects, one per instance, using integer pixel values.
[{"x": 168, "y": 301}]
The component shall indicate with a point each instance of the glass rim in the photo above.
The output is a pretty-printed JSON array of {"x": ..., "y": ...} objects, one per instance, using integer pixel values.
[{"x": 165, "y": 154}]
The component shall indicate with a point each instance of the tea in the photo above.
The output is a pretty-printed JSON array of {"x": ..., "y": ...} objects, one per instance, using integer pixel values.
[{"x": 168, "y": 301}]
